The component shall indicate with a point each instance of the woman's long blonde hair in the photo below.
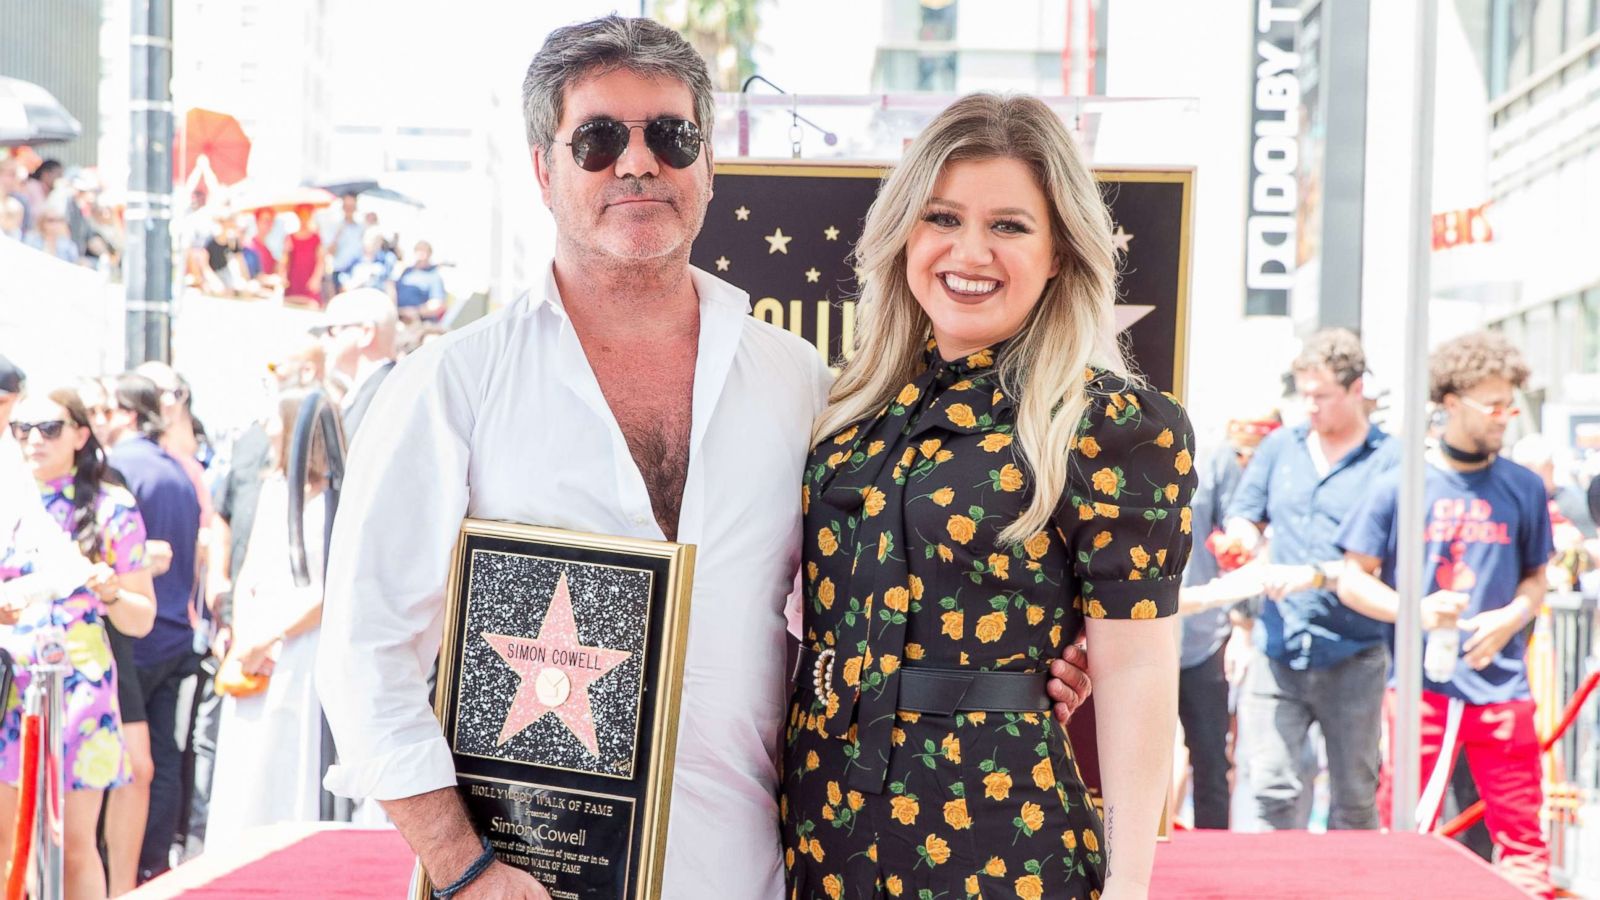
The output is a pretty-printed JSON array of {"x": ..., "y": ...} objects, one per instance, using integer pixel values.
[{"x": 1072, "y": 326}]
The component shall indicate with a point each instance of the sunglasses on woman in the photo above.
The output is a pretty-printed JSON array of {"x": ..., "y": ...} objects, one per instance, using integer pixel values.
[
  {"x": 599, "y": 143},
  {"x": 47, "y": 430}
]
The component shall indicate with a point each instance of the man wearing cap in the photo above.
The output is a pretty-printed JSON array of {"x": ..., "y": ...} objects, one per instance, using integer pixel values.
[{"x": 357, "y": 333}]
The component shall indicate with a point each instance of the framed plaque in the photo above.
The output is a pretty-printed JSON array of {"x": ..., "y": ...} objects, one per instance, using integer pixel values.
[{"x": 559, "y": 679}]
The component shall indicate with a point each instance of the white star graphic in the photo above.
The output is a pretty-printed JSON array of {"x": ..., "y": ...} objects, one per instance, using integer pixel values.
[
  {"x": 778, "y": 242},
  {"x": 742, "y": 213},
  {"x": 812, "y": 275},
  {"x": 1129, "y": 314},
  {"x": 1120, "y": 239},
  {"x": 831, "y": 233},
  {"x": 722, "y": 264}
]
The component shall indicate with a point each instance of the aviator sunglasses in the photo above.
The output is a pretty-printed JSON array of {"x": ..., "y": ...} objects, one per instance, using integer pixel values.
[
  {"x": 47, "y": 430},
  {"x": 599, "y": 143}
]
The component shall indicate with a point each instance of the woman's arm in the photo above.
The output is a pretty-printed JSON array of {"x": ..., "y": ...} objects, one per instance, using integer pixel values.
[
  {"x": 1134, "y": 665},
  {"x": 130, "y": 600}
]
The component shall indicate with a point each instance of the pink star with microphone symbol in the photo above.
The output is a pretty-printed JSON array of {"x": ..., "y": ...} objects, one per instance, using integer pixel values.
[{"x": 554, "y": 671}]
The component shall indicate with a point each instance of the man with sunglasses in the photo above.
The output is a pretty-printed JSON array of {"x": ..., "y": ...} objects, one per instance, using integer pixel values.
[
  {"x": 627, "y": 394},
  {"x": 1487, "y": 534}
]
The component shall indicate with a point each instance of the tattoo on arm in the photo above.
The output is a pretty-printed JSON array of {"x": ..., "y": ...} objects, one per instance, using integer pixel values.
[{"x": 1111, "y": 830}]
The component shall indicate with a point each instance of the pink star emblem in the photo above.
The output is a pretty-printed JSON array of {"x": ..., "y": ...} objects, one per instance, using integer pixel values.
[{"x": 555, "y": 672}]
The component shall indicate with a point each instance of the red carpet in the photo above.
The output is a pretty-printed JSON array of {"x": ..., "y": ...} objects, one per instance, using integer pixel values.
[
  {"x": 1217, "y": 865},
  {"x": 305, "y": 861}
]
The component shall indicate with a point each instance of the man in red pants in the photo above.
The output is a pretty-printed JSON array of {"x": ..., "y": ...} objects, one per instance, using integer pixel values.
[{"x": 1488, "y": 538}]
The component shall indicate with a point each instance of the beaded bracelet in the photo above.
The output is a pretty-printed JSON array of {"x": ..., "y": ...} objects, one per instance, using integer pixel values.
[{"x": 478, "y": 867}]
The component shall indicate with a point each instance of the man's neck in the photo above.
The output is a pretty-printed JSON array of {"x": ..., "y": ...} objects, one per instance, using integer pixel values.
[
  {"x": 649, "y": 301},
  {"x": 364, "y": 369},
  {"x": 1336, "y": 443},
  {"x": 1449, "y": 461}
]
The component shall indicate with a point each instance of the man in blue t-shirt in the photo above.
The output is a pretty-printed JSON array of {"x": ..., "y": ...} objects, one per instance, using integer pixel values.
[
  {"x": 166, "y": 656},
  {"x": 1316, "y": 661},
  {"x": 1487, "y": 536},
  {"x": 419, "y": 291}
]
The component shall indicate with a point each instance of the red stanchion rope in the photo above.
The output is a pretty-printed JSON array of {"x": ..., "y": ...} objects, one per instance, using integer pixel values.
[
  {"x": 1470, "y": 816},
  {"x": 27, "y": 806}
]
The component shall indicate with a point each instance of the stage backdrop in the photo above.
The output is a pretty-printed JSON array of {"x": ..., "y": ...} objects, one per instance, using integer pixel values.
[{"x": 784, "y": 233}]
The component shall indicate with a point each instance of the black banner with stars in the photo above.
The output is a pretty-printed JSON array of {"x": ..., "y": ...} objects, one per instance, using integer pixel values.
[{"x": 784, "y": 232}]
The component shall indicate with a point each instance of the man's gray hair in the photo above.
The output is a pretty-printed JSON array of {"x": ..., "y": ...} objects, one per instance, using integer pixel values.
[{"x": 574, "y": 52}]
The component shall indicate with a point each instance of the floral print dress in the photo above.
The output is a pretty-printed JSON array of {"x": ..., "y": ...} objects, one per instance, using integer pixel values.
[
  {"x": 902, "y": 569},
  {"x": 95, "y": 756}
]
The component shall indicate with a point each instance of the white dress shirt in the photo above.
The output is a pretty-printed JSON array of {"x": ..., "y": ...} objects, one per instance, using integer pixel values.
[{"x": 505, "y": 420}]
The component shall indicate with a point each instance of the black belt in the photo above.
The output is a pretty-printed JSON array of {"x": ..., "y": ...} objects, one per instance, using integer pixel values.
[{"x": 925, "y": 689}]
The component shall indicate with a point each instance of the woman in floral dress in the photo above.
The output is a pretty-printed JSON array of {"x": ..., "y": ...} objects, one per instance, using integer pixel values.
[
  {"x": 103, "y": 520},
  {"x": 987, "y": 481}
]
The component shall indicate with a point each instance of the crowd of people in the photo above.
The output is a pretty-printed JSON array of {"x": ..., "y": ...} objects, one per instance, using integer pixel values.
[
  {"x": 191, "y": 642},
  {"x": 60, "y": 214},
  {"x": 1296, "y": 680},
  {"x": 248, "y": 254}
]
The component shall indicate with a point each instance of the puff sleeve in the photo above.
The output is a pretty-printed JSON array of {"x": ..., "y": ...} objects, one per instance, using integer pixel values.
[{"x": 1125, "y": 512}]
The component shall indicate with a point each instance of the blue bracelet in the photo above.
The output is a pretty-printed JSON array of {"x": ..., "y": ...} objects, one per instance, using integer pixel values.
[{"x": 478, "y": 867}]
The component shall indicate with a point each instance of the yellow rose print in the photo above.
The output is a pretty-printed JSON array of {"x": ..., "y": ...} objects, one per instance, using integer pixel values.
[
  {"x": 1037, "y": 546},
  {"x": 946, "y": 554},
  {"x": 1069, "y": 839},
  {"x": 981, "y": 360},
  {"x": 914, "y": 651},
  {"x": 908, "y": 395},
  {"x": 1035, "y": 614},
  {"x": 834, "y": 886},
  {"x": 995, "y": 867},
  {"x": 788, "y": 858},
  {"x": 904, "y": 809},
  {"x": 1090, "y": 842},
  {"x": 962, "y": 385},
  {"x": 852, "y": 671},
  {"x": 960, "y": 414},
  {"x": 955, "y": 814},
  {"x": 874, "y": 500},
  {"x": 1144, "y": 609},
  {"x": 856, "y": 801},
  {"x": 943, "y": 496},
  {"x": 826, "y": 542},
  {"x": 961, "y": 529},
  {"x": 951, "y": 748},
  {"x": 1186, "y": 520},
  {"x": 991, "y": 627},
  {"x": 953, "y": 624},
  {"x": 828, "y": 814},
  {"x": 1161, "y": 557},
  {"x": 1085, "y": 512},
  {"x": 835, "y": 796},
  {"x": 1032, "y": 816},
  {"x": 1102, "y": 540},
  {"x": 997, "y": 785},
  {"x": 916, "y": 587},
  {"x": 994, "y": 442},
  {"x": 1010, "y": 478},
  {"x": 846, "y": 437},
  {"x": 893, "y": 886},
  {"x": 816, "y": 851},
  {"x": 812, "y": 761},
  {"x": 874, "y": 448},
  {"x": 944, "y": 456},
  {"x": 929, "y": 447},
  {"x": 1183, "y": 463},
  {"x": 1044, "y": 775},
  {"x": 1164, "y": 439},
  {"x": 1095, "y": 610},
  {"x": 1030, "y": 887},
  {"x": 825, "y": 593},
  {"x": 1170, "y": 492},
  {"x": 805, "y": 499},
  {"x": 836, "y": 458},
  {"x": 1107, "y": 482},
  {"x": 889, "y": 663},
  {"x": 884, "y": 543},
  {"x": 1055, "y": 635},
  {"x": 938, "y": 850},
  {"x": 977, "y": 718},
  {"x": 908, "y": 456},
  {"x": 1139, "y": 555},
  {"x": 972, "y": 885},
  {"x": 897, "y": 599},
  {"x": 1000, "y": 565},
  {"x": 1089, "y": 447},
  {"x": 1106, "y": 510}
]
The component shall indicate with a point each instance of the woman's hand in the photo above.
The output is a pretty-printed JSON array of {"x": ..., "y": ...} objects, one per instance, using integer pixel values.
[
  {"x": 159, "y": 555},
  {"x": 104, "y": 582},
  {"x": 255, "y": 654}
]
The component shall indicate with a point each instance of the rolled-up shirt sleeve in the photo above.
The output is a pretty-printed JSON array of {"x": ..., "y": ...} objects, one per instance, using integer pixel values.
[{"x": 403, "y": 502}]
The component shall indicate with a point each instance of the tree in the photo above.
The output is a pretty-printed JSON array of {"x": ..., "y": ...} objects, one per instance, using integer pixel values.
[{"x": 724, "y": 31}]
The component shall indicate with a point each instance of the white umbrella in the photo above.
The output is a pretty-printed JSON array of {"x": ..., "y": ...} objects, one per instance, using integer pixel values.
[{"x": 29, "y": 114}]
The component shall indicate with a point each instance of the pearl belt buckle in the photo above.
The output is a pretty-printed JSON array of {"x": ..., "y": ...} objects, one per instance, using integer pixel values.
[{"x": 822, "y": 675}]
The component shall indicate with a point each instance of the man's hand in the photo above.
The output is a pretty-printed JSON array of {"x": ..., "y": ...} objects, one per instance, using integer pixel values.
[
  {"x": 1491, "y": 630},
  {"x": 1069, "y": 682},
  {"x": 1278, "y": 582},
  {"x": 1442, "y": 609},
  {"x": 502, "y": 881},
  {"x": 159, "y": 554},
  {"x": 1236, "y": 655},
  {"x": 1243, "y": 534}
]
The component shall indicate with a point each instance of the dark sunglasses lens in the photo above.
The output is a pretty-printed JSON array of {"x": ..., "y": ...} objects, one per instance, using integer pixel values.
[
  {"x": 596, "y": 145},
  {"x": 675, "y": 142},
  {"x": 47, "y": 430}
]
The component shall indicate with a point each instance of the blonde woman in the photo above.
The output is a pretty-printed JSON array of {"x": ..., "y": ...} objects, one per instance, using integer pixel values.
[{"x": 987, "y": 480}]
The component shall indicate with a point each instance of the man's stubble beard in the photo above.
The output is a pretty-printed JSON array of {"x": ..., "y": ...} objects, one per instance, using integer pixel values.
[{"x": 597, "y": 254}]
